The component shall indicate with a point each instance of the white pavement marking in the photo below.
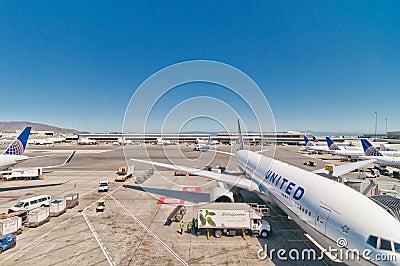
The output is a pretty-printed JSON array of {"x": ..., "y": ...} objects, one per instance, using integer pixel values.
[
  {"x": 45, "y": 234},
  {"x": 96, "y": 236},
  {"x": 29, "y": 246},
  {"x": 151, "y": 233}
]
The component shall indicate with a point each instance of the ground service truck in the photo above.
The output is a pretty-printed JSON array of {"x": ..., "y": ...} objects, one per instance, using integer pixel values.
[{"x": 230, "y": 218}]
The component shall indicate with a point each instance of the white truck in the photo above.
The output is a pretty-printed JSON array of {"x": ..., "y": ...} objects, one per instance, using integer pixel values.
[
  {"x": 25, "y": 174},
  {"x": 103, "y": 186},
  {"x": 229, "y": 218}
]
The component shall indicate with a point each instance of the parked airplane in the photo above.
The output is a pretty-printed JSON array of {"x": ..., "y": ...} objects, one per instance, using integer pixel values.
[
  {"x": 311, "y": 145},
  {"x": 205, "y": 146},
  {"x": 14, "y": 153},
  {"x": 87, "y": 141},
  {"x": 328, "y": 211},
  {"x": 371, "y": 152},
  {"x": 161, "y": 141},
  {"x": 40, "y": 142},
  {"x": 353, "y": 152}
]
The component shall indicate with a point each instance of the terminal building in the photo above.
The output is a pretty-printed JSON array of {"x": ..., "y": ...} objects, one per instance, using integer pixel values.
[{"x": 289, "y": 137}]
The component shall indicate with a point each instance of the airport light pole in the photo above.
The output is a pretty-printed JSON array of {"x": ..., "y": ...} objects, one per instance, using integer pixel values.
[
  {"x": 386, "y": 125},
  {"x": 376, "y": 123}
]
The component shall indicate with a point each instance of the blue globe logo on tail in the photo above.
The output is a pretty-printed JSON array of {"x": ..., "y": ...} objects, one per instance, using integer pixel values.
[
  {"x": 332, "y": 146},
  {"x": 16, "y": 148},
  {"x": 371, "y": 151}
]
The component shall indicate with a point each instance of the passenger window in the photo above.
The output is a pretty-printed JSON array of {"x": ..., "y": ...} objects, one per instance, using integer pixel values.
[
  {"x": 373, "y": 241},
  {"x": 34, "y": 202},
  {"x": 397, "y": 247},
  {"x": 26, "y": 204},
  {"x": 386, "y": 245}
]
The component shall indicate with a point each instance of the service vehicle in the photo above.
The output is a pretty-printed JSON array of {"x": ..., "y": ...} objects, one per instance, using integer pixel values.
[
  {"x": 103, "y": 186},
  {"x": 309, "y": 163},
  {"x": 31, "y": 203},
  {"x": 229, "y": 218},
  {"x": 101, "y": 205},
  {"x": 35, "y": 173},
  {"x": 7, "y": 242},
  {"x": 123, "y": 174},
  {"x": 177, "y": 214}
]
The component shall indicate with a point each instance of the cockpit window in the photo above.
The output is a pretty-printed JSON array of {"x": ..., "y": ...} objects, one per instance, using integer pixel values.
[
  {"x": 386, "y": 245},
  {"x": 397, "y": 247},
  {"x": 373, "y": 241},
  {"x": 19, "y": 204}
]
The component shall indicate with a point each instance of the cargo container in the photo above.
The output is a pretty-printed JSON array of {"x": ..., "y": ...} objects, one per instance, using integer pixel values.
[
  {"x": 21, "y": 213},
  {"x": 57, "y": 207},
  {"x": 228, "y": 218},
  {"x": 71, "y": 200},
  {"x": 10, "y": 225},
  {"x": 38, "y": 215}
]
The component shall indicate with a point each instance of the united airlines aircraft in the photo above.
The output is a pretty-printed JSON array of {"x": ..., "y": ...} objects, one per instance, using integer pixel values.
[
  {"x": 14, "y": 153},
  {"x": 371, "y": 152},
  {"x": 329, "y": 211}
]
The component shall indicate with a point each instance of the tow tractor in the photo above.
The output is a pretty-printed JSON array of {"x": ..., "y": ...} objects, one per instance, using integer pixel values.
[{"x": 7, "y": 242}]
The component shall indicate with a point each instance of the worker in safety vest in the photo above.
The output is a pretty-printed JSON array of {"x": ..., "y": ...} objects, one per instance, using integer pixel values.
[
  {"x": 181, "y": 226},
  {"x": 189, "y": 227},
  {"x": 196, "y": 226}
]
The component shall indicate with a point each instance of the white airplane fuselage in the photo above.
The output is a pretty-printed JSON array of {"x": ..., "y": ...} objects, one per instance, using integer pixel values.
[
  {"x": 325, "y": 209},
  {"x": 385, "y": 160},
  {"x": 8, "y": 160}
]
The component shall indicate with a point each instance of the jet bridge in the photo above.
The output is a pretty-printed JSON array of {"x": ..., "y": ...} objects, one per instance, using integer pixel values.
[{"x": 389, "y": 203}]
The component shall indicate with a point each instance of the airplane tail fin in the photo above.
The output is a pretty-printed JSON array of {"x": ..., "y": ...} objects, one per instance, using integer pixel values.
[
  {"x": 17, "y": 147},
  {"x": 369, "y": 150},
  {"x": 332, "y": 146},
  {"x": 307, "y": 141},
  {"x": 241, "y": 142},
  {"x": 314, "y": 139},
  {"x": 209, "y": 140}
]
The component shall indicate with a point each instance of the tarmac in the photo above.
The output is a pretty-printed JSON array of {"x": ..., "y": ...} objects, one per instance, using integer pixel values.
[{"x": 133, "y": 228}]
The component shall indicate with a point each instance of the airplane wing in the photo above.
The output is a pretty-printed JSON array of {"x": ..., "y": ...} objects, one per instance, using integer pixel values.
[
  {"x": 67, "y": 161},
  {"x": 261, "y": 151},
  {"x": 225, "y": 152},
  {"x": 345, "y": 168},
  {"x": 228, "y": 179}
]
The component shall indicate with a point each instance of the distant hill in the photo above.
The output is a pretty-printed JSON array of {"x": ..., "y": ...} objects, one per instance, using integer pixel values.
[{"x": 18, "y": 125}]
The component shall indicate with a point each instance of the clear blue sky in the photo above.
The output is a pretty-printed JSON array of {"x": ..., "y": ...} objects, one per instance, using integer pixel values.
[{"x": 323, "y": 65}]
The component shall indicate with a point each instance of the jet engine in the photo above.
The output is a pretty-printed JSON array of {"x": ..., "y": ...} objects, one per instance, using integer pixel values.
[{"x": 221, "y": 194}]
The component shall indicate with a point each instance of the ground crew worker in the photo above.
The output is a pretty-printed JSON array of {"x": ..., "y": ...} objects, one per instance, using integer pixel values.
[
  {"x": 196, "y": 226},
  {"x": 181, "y": 226},
  {"x": 189, "y": 227}
]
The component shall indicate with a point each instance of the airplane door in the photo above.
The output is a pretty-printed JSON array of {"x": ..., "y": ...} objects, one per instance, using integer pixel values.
[{"x": 321, "y": 219}]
